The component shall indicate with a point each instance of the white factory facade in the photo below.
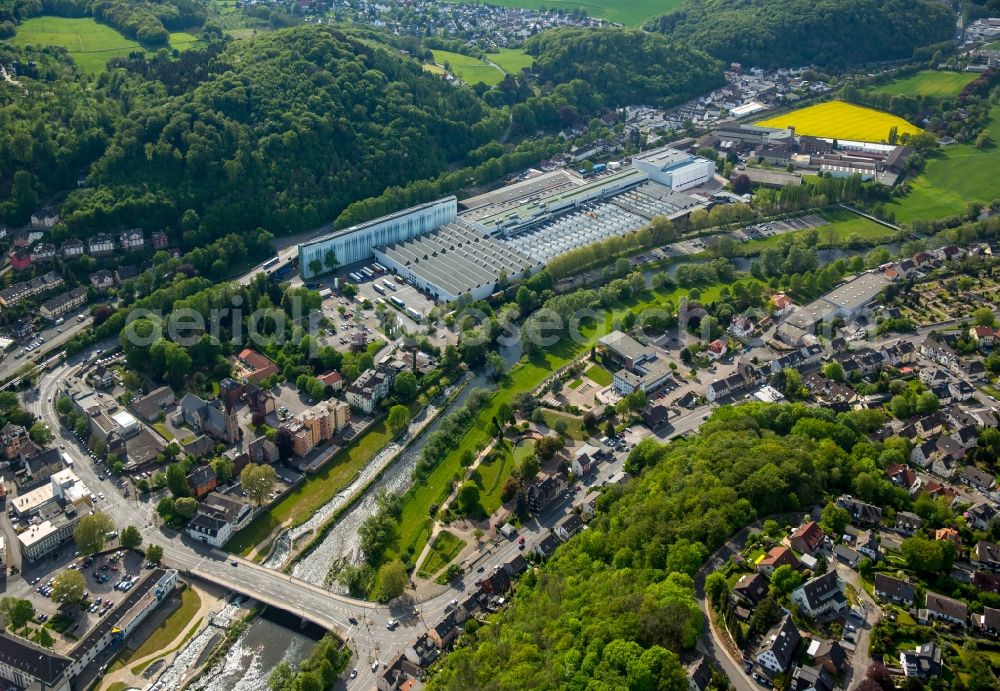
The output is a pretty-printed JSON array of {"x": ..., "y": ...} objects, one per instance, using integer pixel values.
[{"x": 357, "y": 243}]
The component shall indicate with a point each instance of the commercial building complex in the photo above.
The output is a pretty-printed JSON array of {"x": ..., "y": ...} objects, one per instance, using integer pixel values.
[
  {"x": 50, "y": 512},
  {"x": 675, "y": 169}
]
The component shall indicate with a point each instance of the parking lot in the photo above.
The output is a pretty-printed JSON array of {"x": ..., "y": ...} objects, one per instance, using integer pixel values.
[{"x": 109, "y": 577}]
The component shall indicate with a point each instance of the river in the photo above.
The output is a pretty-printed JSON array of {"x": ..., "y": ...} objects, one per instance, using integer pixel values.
[{"x": 341, "y": 544}]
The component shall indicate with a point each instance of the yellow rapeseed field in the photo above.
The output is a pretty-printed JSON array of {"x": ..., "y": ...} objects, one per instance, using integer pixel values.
[{"x": 839, "y": 120}]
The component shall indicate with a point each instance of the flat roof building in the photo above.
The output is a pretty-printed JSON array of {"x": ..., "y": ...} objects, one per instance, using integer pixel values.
[
  {"x": 357, "y": 243},
  {"x": 675, "y": 169},
  {"x": 455, "y": 260}
]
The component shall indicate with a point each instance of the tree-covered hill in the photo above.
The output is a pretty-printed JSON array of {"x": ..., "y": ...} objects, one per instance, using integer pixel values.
[
  {"x": 783, "y": 33},
  {"x": 615, "y": 604},
  {"x": 282, "y": 130},
  {"x": 624, "y": 66}
]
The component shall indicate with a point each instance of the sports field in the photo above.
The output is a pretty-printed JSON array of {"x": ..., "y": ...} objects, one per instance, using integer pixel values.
[
  {"x": 840, "y": 120},
  {"x": 928, "y": 83},
  {"x": 628, "y": 12},
  {"x": 90, "y": 44},
  {"x": 468, "y": 69},
  {"x": 952, "y": 178}
]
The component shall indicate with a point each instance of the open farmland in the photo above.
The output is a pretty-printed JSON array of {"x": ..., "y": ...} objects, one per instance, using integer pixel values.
[
  {"x": 511, "y": 60},
  {"x": 839, "y": 120},
  {"x": 629, "y": 13},
  {"x": 952, "y": 178},
  {"x": 928, "y": 83},
  {"x": 89, "y": 43},
  {"x": 470, "y": 70}
]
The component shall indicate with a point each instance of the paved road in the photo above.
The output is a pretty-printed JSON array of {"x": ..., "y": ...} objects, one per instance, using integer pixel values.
[{"x": 54, "y": 340}]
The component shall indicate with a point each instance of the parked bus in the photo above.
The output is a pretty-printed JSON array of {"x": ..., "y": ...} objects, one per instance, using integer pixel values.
[
  {"x": 414, "y": 314},
  {"x": 67, "y": 460},
  {"x": 379, "y": 269},
  {"x": 367, "y": 272},
  {"x": 378, "y": 289},
  {"x": 355, "y": 277},
  {"x": 387, "y": 284},
  {"x": 269, "y": 263},
  {"x": 397, "y": 302}
]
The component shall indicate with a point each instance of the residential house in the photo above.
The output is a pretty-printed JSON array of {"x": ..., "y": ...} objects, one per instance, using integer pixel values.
[
  {"x": 547, "y": 546},
  {"x": 717, "y": 349},
  {"x": 102, "y": 280},
  {"x": 807, "y": 538},
  {"x": 778, "y": 556},
  {"x": 423, "y": 651},
  {"x": 988, "y": 622},
  {"x": 100, "y": 245},
  {"x": 908, "y": 523},
  {"x": 980, "y": 516},
  {"x": 867, "y": 544},
  {"x": 210, "y": 525},
  {"x": 828, "y": 654},
  {"x": 699, "y": 674},
  {"x": 935, "y": 489},
  {"x": 894, "y": 590},
  {"x": 260, "y": 401},
  {"x": 231, "y": 391},
  {"x": 923, "y": 662},
  {"x": 400, "y": 675},
  {"x": 810, "y": 679},
  {"x": 568, "y": 527},
  {"x": 923, "y": 454},
  {"x": 585, "y": 460},
  {"x": 982, "y": 335},
  {"x": 930, "y": 425},
  {"x": 160, "y": 240},
  {"x": 741, "y": 327},
  {"x": 967, "y": 436},
  {"x": 202, "y": 480},
  {"x": 939, "y": 352},
  {"x": 904, "y": 476},
  {"x": 545, "y": 490},
  {"x": 987, "y": 555},
  {"x": 950, "y": 535},
  {"x": 779, "y": 646},
  {"x": 198, "y": 446},
  {"x": 125, "y": 273},
  {"x": 781, "y": 304},
  {"x": 263, "y": 451},
  {"x": 43, "y": 252},
  {"x": 862, "y": 514},
  {"x": 61, "y": 304},
  {"x": 961, "y": 390},
  {"x": 370, "y": 387},
  {"x": 44, "y": 219},
  {"x": 444, "y": 633},
  {"x": 751, "y": 588},
  {"x": 332, "y": 379},
  {"x": 847, "y": 555},
  {"x": 944, "y": 609},
  {"x": 820, "y": 596},
  {"x": 974, "y": 477},
  {"x": 132, "y": 240},
  {"x": 71, "y": 247},
  {"x": 987, "y": 582}
]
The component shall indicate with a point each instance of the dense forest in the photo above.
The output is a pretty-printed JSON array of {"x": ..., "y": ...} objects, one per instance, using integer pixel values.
[
  {"x": 624, "y": 66},
  {"x": 612, "y": 605},
  {"x": 282, "y": 130},
  {"x": 783, "y": 33}
]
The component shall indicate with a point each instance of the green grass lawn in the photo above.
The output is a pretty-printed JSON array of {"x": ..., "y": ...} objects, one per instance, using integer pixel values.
[
  {"x": 446, "y": 547},
  {"x": 599, "y": 375},
  {"x": 468, "y": 69},
  {"x": 952, "y": 178},
  {"x": 842, "y": 225},
  {"x": 928, "y": 83},
  {"x": 575, "y": 384},
  {"x": 166, "y": 633},
  {"x": 630, "y": 13},
  {"x": 89, "y": 43},
  {"x": 574, "y": 425},
  {"x": 162, "y": 429},
  {"x": 299, "y": 504},
  {"x": 511, "y": 60},
  {"x": 992, "y": 46}
]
